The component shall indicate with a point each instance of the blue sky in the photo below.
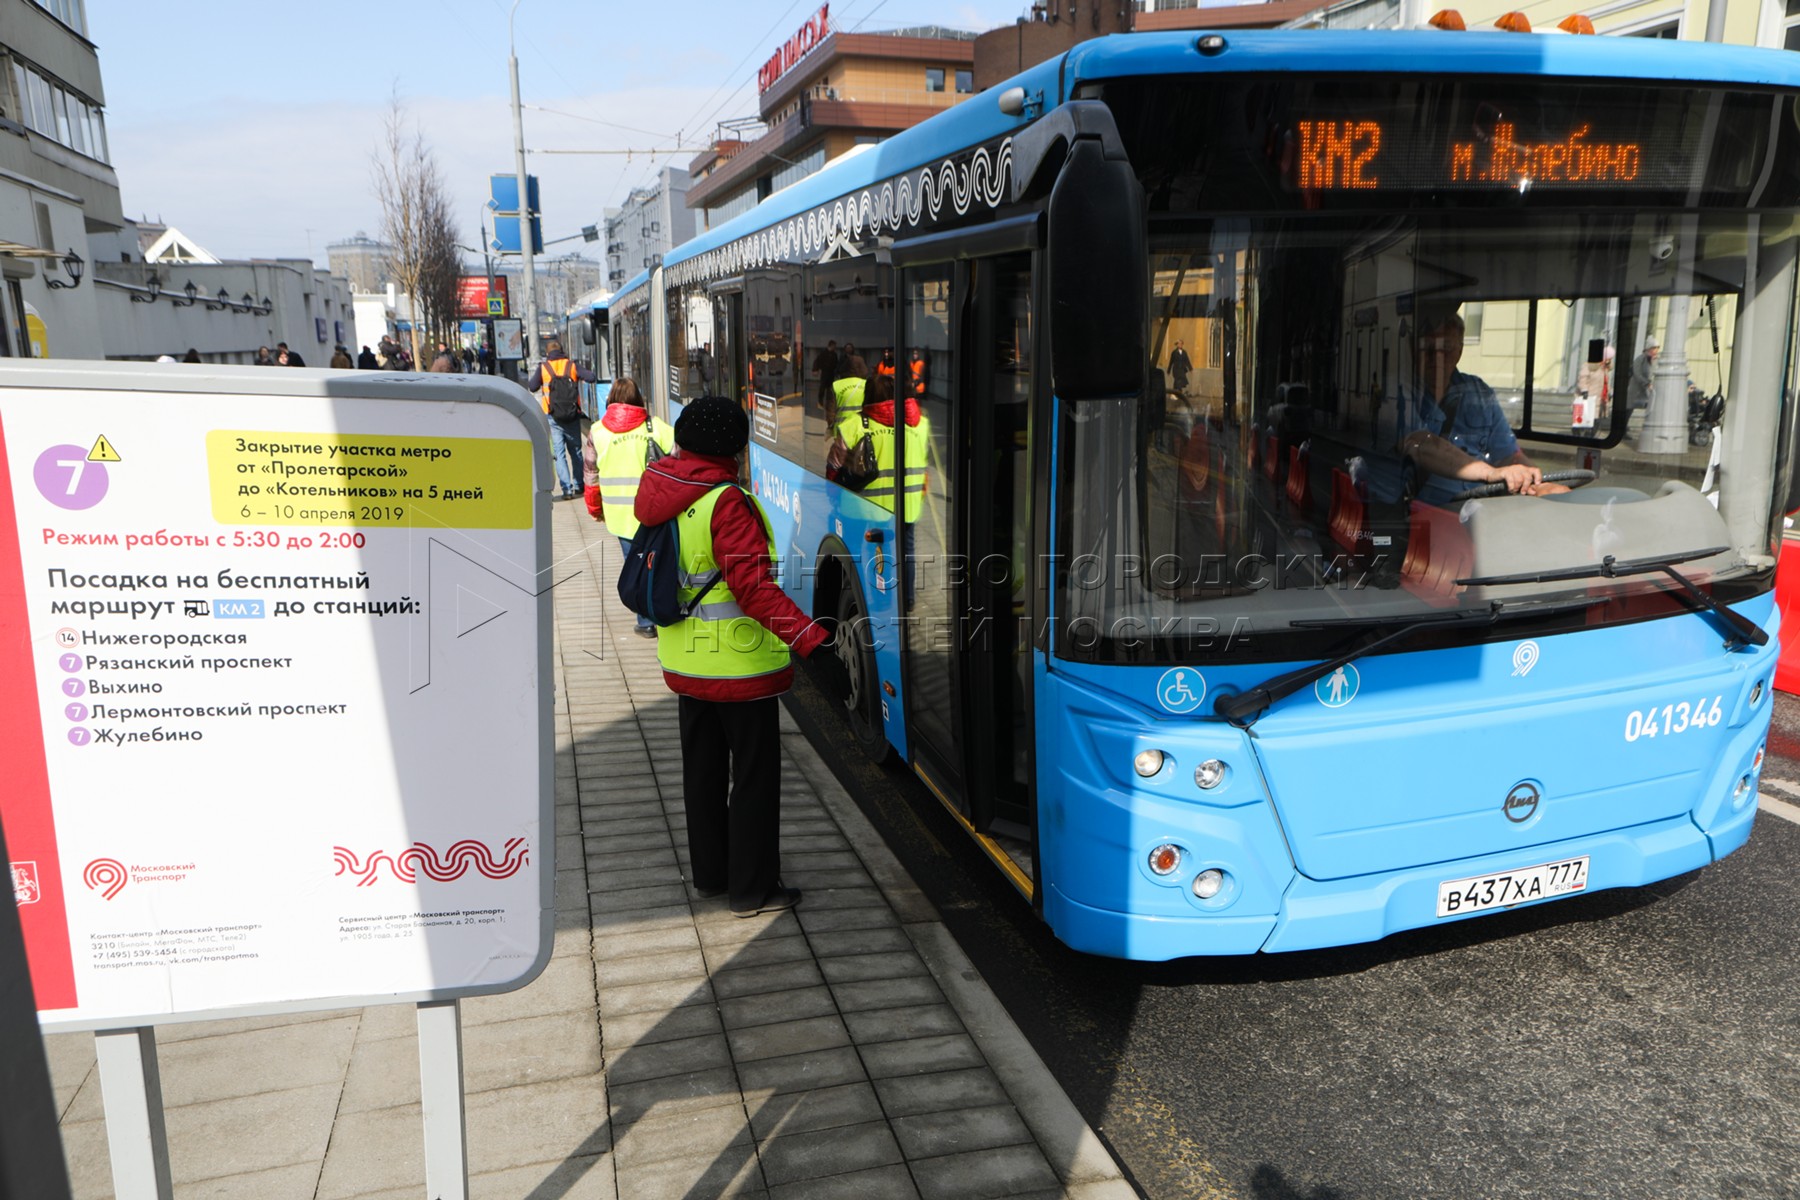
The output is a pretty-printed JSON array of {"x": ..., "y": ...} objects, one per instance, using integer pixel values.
[{"x": 250, "y": 127}]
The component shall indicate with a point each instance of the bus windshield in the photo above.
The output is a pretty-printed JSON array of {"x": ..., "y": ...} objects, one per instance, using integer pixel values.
[{"x": 1388, "y": 416}]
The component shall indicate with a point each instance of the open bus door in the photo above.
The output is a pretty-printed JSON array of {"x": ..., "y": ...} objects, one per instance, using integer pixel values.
[{"x": 966, "y": 359}]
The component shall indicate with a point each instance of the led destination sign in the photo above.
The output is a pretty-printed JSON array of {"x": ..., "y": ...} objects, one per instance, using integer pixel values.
[
  {"x": 1258, "y": 144},
  {"x": 1338, "y": 155},
  {"x": 1348, "y": 154}
]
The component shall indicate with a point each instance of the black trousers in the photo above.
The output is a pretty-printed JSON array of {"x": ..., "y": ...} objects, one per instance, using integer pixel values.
[{"x": 731, "y": 787}]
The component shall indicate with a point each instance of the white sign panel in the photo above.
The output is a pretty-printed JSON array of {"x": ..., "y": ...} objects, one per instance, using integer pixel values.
[{"x": 276, "y": 704}]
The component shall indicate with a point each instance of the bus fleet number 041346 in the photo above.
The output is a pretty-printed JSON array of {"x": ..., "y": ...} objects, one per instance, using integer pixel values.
[{"x": 1673, "y": 718}]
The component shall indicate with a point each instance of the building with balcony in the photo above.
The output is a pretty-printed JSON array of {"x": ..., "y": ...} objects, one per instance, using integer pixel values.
[
  {"x": 653, "y": 220},
  {"x": 59, "y": 197},
  {"x": 844, "y": 89}
]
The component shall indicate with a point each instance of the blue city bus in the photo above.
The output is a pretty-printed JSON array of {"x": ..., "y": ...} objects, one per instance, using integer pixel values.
[
  {"x": 1223, "y": 623},
  {"x": 585, "y": 332}
]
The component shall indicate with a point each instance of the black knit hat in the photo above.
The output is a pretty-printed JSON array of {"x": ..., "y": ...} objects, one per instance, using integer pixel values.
[{"x": 712, "y": 425}]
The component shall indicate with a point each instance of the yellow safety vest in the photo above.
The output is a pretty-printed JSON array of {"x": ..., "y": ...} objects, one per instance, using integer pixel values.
[
  {"x": 849, "y": 393},
  {"x": 717, "y": 641},
  {"x": 881, "y": 488},
  {"x": 619, "y": 460}
]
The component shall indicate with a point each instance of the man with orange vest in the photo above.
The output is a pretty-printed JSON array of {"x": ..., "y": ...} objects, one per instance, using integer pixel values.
[
  {"x": 558, "y": 384},
  {"x": 915, "y": 368}
]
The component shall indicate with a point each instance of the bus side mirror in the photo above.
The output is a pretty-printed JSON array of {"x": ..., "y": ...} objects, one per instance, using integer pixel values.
[
  {"x": 1099, "y": 269},
  {"x": 587, "y": 333}
]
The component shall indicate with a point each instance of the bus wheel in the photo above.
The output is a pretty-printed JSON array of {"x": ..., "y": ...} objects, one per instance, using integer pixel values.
[{"x": 856, "y": 650}]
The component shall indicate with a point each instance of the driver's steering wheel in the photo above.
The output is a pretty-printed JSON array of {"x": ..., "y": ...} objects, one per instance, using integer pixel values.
[{"x": 1574, "y": 479}]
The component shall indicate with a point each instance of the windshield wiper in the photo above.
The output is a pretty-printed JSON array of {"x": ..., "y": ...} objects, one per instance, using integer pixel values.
[
  {"x": 1686, "y": 590},
  {"x": 1608, "y": 567},
  {"x": 1243, "y": 708}
]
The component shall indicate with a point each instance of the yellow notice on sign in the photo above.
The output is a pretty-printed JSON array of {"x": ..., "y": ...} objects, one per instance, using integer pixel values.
[
  {"x": 103, "y": 451},
  {"x": 260, "y": 477}
]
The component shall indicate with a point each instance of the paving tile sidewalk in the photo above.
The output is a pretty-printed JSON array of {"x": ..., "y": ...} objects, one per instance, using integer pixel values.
[{"x": 670, "y": 1049}]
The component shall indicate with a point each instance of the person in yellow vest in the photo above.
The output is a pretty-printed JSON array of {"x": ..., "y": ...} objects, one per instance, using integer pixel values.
[
  {"x": 846, "y": 397},
  {"x": 875, "y": 417},
  {"x": 613, "y": 459},
  {"x": 730, "y": 659}
]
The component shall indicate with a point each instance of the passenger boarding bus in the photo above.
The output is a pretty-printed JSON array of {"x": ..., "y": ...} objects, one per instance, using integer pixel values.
[{"x": 1295, "y": 536}]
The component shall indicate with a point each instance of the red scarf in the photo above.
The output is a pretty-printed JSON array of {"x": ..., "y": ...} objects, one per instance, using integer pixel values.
[{"x": 883, "y": 413}]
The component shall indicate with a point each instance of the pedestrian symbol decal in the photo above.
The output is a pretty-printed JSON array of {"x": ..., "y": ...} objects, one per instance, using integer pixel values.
[
  {"x": 1338, "y": 688},
  {"x": 102, "y": 451},
  {"x": 1181, "y": 689}
]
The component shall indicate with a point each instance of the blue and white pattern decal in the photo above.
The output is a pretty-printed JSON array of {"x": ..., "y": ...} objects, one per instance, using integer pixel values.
[{"x": 934, "y": 192}]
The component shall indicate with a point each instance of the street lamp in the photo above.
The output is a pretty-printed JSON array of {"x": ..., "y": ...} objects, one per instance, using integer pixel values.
[
  {"x": 188, "y": 290},
  {"x": 73, "y": 264},
  {"x": 221, "y": 303},
  {"x": 153, "y": 289}
]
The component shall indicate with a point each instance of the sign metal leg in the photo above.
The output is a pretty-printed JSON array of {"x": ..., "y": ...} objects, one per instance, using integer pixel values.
[
  {"x": 441, "y": 1096},
  {"x": 131, "y": 1089}
]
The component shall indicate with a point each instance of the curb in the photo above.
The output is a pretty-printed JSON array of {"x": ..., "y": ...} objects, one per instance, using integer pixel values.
[{"x": 1075, "y": 1153}]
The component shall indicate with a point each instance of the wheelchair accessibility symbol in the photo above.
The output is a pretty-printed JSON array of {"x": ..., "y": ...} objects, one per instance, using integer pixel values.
[
  {"x": 1338, "y": 688},
  {"x": 1181, "y": 689}
]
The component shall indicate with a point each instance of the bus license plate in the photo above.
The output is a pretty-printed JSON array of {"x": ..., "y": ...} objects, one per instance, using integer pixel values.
[{"x": 1503, "y": 889}]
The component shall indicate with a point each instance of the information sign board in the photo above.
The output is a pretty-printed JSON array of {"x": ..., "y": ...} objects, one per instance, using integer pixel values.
[
  {"x": 478, "y": 296},
  {"x": 506, "y": 236},
  {"x": 274, "y": 704},
  {"x": 509, "y": 340},
  {"x": 503, "y": 193}
]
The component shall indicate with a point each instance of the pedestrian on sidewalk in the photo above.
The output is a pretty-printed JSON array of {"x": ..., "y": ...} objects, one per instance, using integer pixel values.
[
  {"x": 558, "y": 383},
  {"x": 613, "y": 459},
  {"x": 729, "y": 660}
]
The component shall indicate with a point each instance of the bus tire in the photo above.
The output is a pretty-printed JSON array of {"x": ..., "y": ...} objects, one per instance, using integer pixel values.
[{"x": 856, "y": 650}]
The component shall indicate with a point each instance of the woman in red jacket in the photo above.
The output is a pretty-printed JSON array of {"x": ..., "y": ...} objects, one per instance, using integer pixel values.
[{"x": 729, "y": 660}]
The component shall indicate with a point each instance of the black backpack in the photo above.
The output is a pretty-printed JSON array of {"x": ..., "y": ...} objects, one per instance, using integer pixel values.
[
  {"x": 650, "y": 584},
  {"x": 565, "y": 394}
]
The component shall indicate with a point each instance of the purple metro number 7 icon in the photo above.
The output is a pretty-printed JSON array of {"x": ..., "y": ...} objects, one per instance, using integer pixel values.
[{"x": 66, "y": 478}]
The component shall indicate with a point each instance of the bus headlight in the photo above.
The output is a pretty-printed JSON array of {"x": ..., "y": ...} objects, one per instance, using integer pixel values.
[
  {"x": 1209, "y": 774},
  {"x": 1208, "y": 883},
  {"x": 1148, "y": 763}
]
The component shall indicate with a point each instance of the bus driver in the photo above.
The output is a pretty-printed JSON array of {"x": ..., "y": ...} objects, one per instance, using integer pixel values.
[{"x": 1459, "y": 436}]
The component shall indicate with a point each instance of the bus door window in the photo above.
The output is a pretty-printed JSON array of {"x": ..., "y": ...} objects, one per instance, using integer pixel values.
[
  {"x": 1001, "y": 561},
  {"x": 681, "y": 335},
  {"x": 928, "y": 539},
  {"x": 721, "y": 358}
]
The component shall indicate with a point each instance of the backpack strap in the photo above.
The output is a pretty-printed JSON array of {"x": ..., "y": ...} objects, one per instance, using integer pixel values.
[{"x": 716, "y": 574}]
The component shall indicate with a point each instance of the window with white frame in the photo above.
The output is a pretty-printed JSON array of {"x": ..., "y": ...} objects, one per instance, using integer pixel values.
[
  {"x": 72, "y": 13},
  {"x": 49, "y": 108}
]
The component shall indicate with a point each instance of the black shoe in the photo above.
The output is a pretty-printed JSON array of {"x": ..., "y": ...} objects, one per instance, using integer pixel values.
[
  {"x": 779, "y": 900},
  {"x": 708, "y": 893},
  {"x": 644, "y": 631}
]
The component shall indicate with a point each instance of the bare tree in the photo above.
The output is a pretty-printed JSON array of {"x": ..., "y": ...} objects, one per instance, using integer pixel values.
[{"x": 416, "y": 223}]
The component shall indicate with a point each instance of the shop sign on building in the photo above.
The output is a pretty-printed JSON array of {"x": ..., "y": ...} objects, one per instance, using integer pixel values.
[{"x": 810, "y": 34}]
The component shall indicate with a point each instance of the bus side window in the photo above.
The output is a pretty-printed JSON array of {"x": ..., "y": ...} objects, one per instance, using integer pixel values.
[
  {"x": 847, "y": 321},
  {"x": 776, "y": 378}
]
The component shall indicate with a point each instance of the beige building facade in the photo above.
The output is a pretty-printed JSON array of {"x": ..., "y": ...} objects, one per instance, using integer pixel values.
[{"x": 845, "y": 89}]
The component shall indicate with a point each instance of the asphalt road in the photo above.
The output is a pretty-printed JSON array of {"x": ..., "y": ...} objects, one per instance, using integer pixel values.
[{"x": 1626, "y": 1044}]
